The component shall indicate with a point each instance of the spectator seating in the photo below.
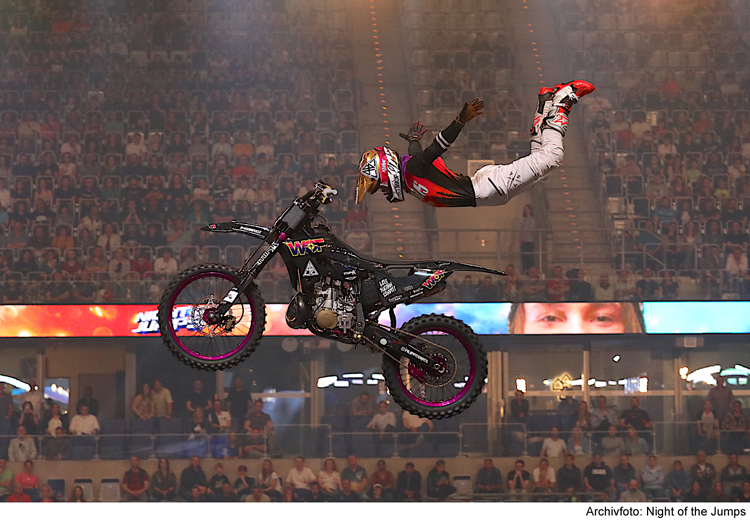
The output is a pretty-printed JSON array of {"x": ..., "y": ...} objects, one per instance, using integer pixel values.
[
  {"x": 112, "y": 441},
  {"x": 460, "y": 52},
  {"x": 105, "y": 127},
  {"x": 109, "y": 490},
  {"x": 168, "y": 442},
  {"x": 139, "y": 441},
  {"x": 87, "y": 484},
  {"x": 696, "y": 84},
  {"x": 82, "y": 447},
  {"x": 464, "y": 485},
  {"x": 57, "y": 485}
]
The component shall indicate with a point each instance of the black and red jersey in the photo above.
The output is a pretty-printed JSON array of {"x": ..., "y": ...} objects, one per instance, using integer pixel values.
[{"x": 426, "y": 176}]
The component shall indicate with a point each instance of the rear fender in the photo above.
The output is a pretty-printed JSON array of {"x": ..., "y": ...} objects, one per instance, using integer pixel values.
[{"x": 457, "y": 266}]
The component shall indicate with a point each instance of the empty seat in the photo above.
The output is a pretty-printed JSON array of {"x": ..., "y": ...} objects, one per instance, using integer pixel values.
[
  {"x": 169, "y": 426},
  {"x": 412, "y": 5},
  {"x": 608, "y": 22},
  {"x": 169, "y": 442},
  {"x": 575, "y": 39},
  {"x": 697, "y": 60},
  {"x": 426, "y": 98},
  {"x": 677, "y": 59},
  {"x": 112, "y": 439},
  {"x": 420, "y": 58},
  {"x": 428, "y": 118},
  {"x": 349, "y": 141},
  {"x": 141, "y": 426},
  {"x": 139, "y": 442},
  {"x": 634, "y": 41},
  {"x": 109, "y": 490},
  {"x": 82, "y": 447},
  {"x": 464, "y": 485},
  {"x": 503, "y": 78},
  {"x": 658, "y": 59}
]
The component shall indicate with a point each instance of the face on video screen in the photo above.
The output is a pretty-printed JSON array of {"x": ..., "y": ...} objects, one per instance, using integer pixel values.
[{"x": 575, "y": 318}]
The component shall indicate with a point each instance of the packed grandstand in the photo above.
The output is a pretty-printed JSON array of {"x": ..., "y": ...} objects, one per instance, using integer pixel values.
[
  {"x": 125, "y": 125},
  {"x": 123, "y": 129}
]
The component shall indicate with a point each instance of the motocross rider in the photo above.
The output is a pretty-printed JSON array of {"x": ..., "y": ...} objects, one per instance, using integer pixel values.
[{"x": 423, "y": 173}]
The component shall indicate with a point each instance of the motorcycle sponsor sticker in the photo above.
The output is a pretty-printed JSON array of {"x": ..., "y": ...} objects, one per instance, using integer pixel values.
[
  {"x": 414, "y": 354},
  {"x": 250, "y": 230},
  {"x": 436, "y": 277},
  {"x": 350, "y": 274},
  {"x": 231, "y": 296},
  {"x": 416, "y": 293},
  {"x": 304, "y": 247},
  {"x": 396, "y": 298},
  {"x": 266, "y": 254},
  {"x": 310, "y": 270},
  {"x": 386, "y": 287}
]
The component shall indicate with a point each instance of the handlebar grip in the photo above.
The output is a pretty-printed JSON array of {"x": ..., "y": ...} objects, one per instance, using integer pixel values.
[{"x": 330, "y": 192}]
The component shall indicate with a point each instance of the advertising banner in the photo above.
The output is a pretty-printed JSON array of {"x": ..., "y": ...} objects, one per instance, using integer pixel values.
[{"x": 492, "y": 318}]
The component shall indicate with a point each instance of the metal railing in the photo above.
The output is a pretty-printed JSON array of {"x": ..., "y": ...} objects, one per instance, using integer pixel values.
[{"x": 504, "y": 440}]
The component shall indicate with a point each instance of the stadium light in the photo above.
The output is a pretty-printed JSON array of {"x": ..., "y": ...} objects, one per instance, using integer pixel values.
[
  {"x": 521, "y": 384},
  {"x": 18, "y": 384},
  {"x": 326, "y": 381}
]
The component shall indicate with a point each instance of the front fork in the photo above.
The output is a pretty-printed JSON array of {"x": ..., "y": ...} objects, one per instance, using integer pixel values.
[{"x": 247, "y": 275}]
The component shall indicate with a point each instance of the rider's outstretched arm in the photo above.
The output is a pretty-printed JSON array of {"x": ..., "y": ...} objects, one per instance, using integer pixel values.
[{"x": 422, "y": 159}]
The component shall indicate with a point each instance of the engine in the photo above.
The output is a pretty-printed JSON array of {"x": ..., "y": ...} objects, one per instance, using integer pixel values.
[{"x": 334, "y": 305}]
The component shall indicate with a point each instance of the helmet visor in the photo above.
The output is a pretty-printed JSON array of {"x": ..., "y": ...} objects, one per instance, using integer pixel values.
[{"x": 365, "y": 184}]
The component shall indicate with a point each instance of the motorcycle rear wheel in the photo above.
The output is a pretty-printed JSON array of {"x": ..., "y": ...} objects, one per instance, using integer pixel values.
[
  {"x": 465, "y": 375},
  {"x": 188, "y": 301}
]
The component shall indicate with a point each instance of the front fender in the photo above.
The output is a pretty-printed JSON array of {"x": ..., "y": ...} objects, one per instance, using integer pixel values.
[{"x": 240, "y": 227}]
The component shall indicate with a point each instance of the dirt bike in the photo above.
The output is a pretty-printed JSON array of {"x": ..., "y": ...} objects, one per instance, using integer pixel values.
[{"x": 212, "y": 316}]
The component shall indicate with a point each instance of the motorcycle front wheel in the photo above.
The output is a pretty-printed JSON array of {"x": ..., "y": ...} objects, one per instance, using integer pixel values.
[
  {"x": 187, "y": 325},
  {"x": 457, "y": 350}
]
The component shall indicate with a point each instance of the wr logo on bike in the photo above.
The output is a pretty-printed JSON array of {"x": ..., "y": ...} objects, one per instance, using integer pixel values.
[
  {"x": 436, "y": 277},
  {"x": 303, "y": 247}
]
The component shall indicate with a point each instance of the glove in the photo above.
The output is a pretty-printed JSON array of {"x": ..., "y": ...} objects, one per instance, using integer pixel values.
[
  {"x": 416, "y": 131},
  {"x": 470, "y": 110}
]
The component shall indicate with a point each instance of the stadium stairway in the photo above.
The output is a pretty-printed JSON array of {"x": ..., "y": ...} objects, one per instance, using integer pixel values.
[
  {"x": 377, "y": 31},
  {"x": 573, "y": 203}
]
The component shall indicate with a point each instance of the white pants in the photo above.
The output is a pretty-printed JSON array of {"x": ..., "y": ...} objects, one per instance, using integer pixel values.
[{"x": 516, "y": 177}]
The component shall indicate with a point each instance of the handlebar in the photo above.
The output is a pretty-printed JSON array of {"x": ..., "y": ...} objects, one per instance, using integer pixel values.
[
  {"x": 306, "y": 205},
  {"x": 330, "y": 192},
  {"x": 323, "y": 192}
]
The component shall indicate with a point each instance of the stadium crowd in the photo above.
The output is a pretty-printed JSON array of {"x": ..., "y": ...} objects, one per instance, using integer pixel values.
[
  {"x": 127, "y": 125},
  {"x": 593, "y": 481},
  {"x": 240, "y": 430},
  {"x": 670, "y": 139}
]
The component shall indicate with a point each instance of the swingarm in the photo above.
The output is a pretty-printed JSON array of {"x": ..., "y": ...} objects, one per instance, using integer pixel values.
[{"x": 397, "y": 348}]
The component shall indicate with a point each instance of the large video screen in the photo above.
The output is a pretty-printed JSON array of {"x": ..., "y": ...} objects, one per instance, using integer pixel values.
[{"x": 499, "y": 318}]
